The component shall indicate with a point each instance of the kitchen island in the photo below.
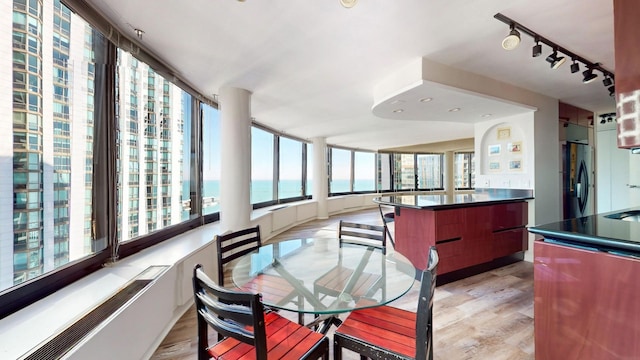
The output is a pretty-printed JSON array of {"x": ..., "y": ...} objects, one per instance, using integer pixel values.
[
  {"x": 586, "y": 287},
  {"x": 472, "y": 232}
]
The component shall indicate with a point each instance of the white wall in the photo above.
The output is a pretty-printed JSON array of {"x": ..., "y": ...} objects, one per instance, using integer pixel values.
[
  {"x": 521, "y": 129},
  {"x": 612, "y": 171}
]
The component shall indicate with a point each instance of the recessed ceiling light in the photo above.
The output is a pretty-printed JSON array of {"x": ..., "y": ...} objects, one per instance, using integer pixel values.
[
  {"x": 427, "y": 99},
  {"x": 398, "y": 110},
  {"x": 454, "y": 109},
  {"x": 397, "y": 101},
  {"x": 486, "y": 115}
]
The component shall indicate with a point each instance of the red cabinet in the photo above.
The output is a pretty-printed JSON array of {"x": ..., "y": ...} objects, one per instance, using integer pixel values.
[
  {"x": 585, "y": 304},
  {"x": 464, "y": 236}
]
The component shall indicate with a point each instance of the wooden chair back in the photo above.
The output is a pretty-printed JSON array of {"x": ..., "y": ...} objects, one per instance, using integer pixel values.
[
  {"x": 235, "y": 244},
  {"x": 363, "y": 234},
  {"x": 424, "y": 314},
  {"x": 239, "y": 315}
]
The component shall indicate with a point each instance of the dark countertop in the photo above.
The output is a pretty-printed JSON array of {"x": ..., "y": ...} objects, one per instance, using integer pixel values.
[
  {"x": 438, "y": 202},
  {"x": 595, "y": 232}
]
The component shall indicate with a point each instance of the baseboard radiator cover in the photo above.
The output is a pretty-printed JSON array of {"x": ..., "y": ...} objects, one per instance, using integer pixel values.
[{"x": 59, "y": 344}]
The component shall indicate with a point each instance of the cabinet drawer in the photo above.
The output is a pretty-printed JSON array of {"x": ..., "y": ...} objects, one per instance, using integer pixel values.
[
  {"x": 509, "y": 241},
  {"x": 509, "y": 216},
  {"x": 449, "y": 224}
]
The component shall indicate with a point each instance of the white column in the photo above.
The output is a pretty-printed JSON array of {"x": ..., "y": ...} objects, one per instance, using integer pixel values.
[
  {"x": 320, "y": 178},
  {"x": 449, "y": 181},
  {"x": 235, "y": 172}
]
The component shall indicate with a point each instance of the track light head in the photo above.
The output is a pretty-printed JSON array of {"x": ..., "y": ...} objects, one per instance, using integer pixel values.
[
  {"x": 554, "y": 60},
  {"x": 588, "y": 76},
  {"x": 512, "y": 40},
  {"x": 575, "y": 67},
  {"x": 607, "y": 81},
  {"x": 536, "y": 50}
]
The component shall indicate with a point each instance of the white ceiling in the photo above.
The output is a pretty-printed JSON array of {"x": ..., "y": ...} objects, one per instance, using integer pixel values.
[{"x": 312, "y": 66}]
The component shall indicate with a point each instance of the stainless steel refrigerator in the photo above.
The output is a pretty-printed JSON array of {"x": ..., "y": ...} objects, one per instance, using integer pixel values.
[{"x": 578, "y": 184}]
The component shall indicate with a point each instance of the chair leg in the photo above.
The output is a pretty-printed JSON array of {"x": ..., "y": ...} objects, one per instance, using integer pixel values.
[{"x": 337, "y": 351}]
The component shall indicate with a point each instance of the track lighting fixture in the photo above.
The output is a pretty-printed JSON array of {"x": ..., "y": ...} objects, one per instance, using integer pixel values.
[
  {"x": 575, "y": 67},
  {"x": 512, "y": 40},
  {"x": 588, "y": 76},
  {"x": 537, "y": 49},
  {"x": 554, "y": 59}
]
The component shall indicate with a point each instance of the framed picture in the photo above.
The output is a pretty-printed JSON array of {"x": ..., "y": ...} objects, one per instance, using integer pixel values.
[
  {"x": 504, "y": 133},
  {"x": 494, "y": 150},
  {"x": 494, "y": 166},
  {"x": 515, "y": 147},
  {"x": 515, "y": 165}
]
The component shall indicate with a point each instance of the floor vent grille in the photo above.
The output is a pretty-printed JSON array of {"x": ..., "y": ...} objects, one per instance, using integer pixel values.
[{"x": 59, "y": 344}]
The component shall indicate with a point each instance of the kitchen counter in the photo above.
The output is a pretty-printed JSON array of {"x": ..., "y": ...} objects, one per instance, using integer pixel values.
[
  {"x": 472, "y": 232},
  {"x": 437, "y": 202},
  {"x": 597, "y": 232}
]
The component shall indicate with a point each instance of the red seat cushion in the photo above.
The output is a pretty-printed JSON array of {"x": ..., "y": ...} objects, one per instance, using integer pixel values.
[
  {"x": 385, "y": 327},
  {"x": 285, "y": 340}
]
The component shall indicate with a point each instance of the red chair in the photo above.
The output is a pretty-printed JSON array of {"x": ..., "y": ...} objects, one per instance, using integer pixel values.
[
  {"x": 247, "y": 331},
  {"x": 387, "y": 332}
]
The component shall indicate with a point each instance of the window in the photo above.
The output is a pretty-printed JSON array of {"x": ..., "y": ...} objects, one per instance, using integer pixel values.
[
  {"x": 290, "y": 168},
  {"x": 404, "y": 175},
  {"x": 384, "y": 172},
  {"x": 210, "y": 160},
  {"x": 464, "y": 174},
  {"x": 309, "y": 178},
  {"x": 429, "y": 171},
  {"x": 364, "y": 171},
  {"x": 155, "y": 162},
  {"x": 47, "y": 191},
  {"x": 340, "y": 171},
  {"x": 262, "y": 155}
]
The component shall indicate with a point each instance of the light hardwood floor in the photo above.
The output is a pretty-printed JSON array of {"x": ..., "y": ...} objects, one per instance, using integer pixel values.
[{"x": 487, "y": 316}]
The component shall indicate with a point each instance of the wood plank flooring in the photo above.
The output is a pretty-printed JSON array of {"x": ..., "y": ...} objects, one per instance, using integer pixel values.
[{"x": 487, "y": 316}]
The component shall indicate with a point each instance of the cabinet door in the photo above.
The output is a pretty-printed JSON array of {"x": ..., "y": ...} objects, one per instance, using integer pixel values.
[{"x": 585, "y": 303}]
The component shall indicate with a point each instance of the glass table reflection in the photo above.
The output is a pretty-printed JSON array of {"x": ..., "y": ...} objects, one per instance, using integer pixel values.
[{"x": 364, "y": 276}]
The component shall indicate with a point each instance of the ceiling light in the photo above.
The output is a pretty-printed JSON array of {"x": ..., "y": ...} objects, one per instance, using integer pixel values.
[
  {"x": 486, "y": 115},
  {"x": 348, "y": 3},
  {"x": 554, "y": 60},
  {"x": 607, "y": 81},
  {"x": 454, "y": 109},
  {"x": 397, "y": 101},
  {"x": 427, "y": 99},
  {"x": 398, "y": 110},
  {"x": 612, "y": 90},
  {"x": 588, "y": 76},
  {"x": 537, "y": 49},
  {"x": 575, "y": 67},
  {"x": 512, "y": 40}
]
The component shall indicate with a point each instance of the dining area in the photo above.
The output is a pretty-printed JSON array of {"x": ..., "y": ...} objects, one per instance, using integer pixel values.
[{"x": 344, "y": 295}]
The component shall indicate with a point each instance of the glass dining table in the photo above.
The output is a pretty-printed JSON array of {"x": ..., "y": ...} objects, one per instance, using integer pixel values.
[{"x": 326, "y": 279}]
